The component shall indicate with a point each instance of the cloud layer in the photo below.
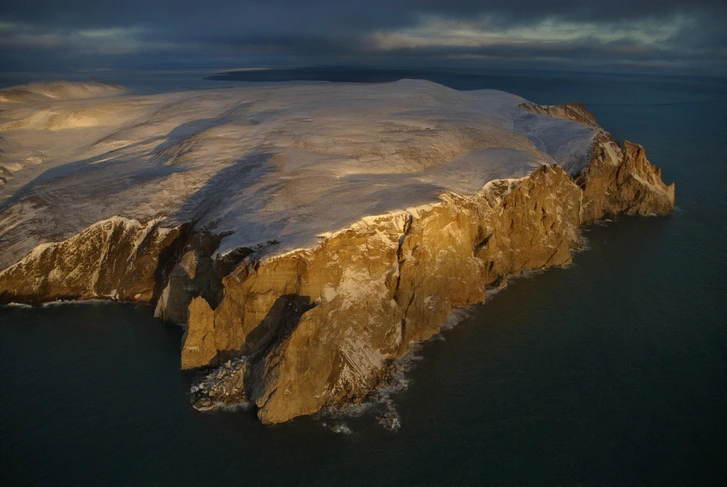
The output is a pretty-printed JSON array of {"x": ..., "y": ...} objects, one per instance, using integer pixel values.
[{"x": 667, "y": 35}]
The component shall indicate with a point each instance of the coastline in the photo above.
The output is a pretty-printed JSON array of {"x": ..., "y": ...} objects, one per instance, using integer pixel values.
[{"x": 274, "y": 309}]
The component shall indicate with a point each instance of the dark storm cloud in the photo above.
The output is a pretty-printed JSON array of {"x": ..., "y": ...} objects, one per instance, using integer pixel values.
[
  {"x": 323, "y": 31},
  {"x": 356, "y": 14}
]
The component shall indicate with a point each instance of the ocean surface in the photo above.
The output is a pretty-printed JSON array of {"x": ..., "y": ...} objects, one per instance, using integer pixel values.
[{"x": 612, "y": 371}]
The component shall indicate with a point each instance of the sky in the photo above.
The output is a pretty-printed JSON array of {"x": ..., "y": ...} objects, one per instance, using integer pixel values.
[{"x": 672, "y": 36}]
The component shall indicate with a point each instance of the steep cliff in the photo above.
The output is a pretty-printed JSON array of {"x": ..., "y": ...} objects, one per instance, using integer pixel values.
[
  {"x": 322, "y": 325},
  {"x": 306, "y": 252},
  {"x": 116, "y": 258},
  {"x": 621, "y": 180},
  {"x": 394, "y": 281}
]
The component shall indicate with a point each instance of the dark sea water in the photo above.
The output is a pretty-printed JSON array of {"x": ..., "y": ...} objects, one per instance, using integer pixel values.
[{"x": 612, "y": 371}]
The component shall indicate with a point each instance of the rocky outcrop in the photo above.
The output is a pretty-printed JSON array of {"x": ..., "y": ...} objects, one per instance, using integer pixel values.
[
  {"x": 221, "y": 387},
  {"x": 620, "y": 180},
  {"x": 118, "y": 258},
  {"x": 200, "y": 347}
]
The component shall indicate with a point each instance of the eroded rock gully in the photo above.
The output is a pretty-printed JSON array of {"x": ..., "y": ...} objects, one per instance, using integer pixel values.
[{"x": 319, "y": 327}]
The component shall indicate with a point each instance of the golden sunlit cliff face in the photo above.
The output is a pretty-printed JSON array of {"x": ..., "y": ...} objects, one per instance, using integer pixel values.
[
  {"x": 324, "y": 324},
  {"x": 320, "y": 323}
]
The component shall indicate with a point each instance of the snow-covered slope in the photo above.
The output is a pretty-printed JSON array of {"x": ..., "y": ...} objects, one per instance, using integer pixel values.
[
  {"x": 284, "y": 163},
  {"x": 58, "y": 90}
]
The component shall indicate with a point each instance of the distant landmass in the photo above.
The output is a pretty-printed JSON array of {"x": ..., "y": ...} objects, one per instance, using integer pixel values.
[{"x": 334, "y": 74}]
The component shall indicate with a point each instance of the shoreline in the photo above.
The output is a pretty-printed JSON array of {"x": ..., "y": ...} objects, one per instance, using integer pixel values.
[{"x": 321, "y": 326}]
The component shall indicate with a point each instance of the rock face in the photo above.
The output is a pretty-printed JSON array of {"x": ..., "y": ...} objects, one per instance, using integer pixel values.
[
  {"x": 393, "y": 282},
  {"x": 200, "y": 347},
  {"x": 620, "y": 180},
  {"x": 116, "y": 258},
  {"x": 297, "y": 328},
  {"x": 387, "y": 282}
]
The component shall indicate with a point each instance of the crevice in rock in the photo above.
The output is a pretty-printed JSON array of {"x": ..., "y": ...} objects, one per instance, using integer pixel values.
[
  {"x": 168, "y": 258},
  {"x": 482, "y": 243},
  {"x": 197, "y": 271},
  {"x": 400, "y": 253},
  {"x": 404, "y": 343}
]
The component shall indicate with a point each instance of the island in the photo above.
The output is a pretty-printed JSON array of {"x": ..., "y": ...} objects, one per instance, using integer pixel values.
[{"x": 305, "y": 234}]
